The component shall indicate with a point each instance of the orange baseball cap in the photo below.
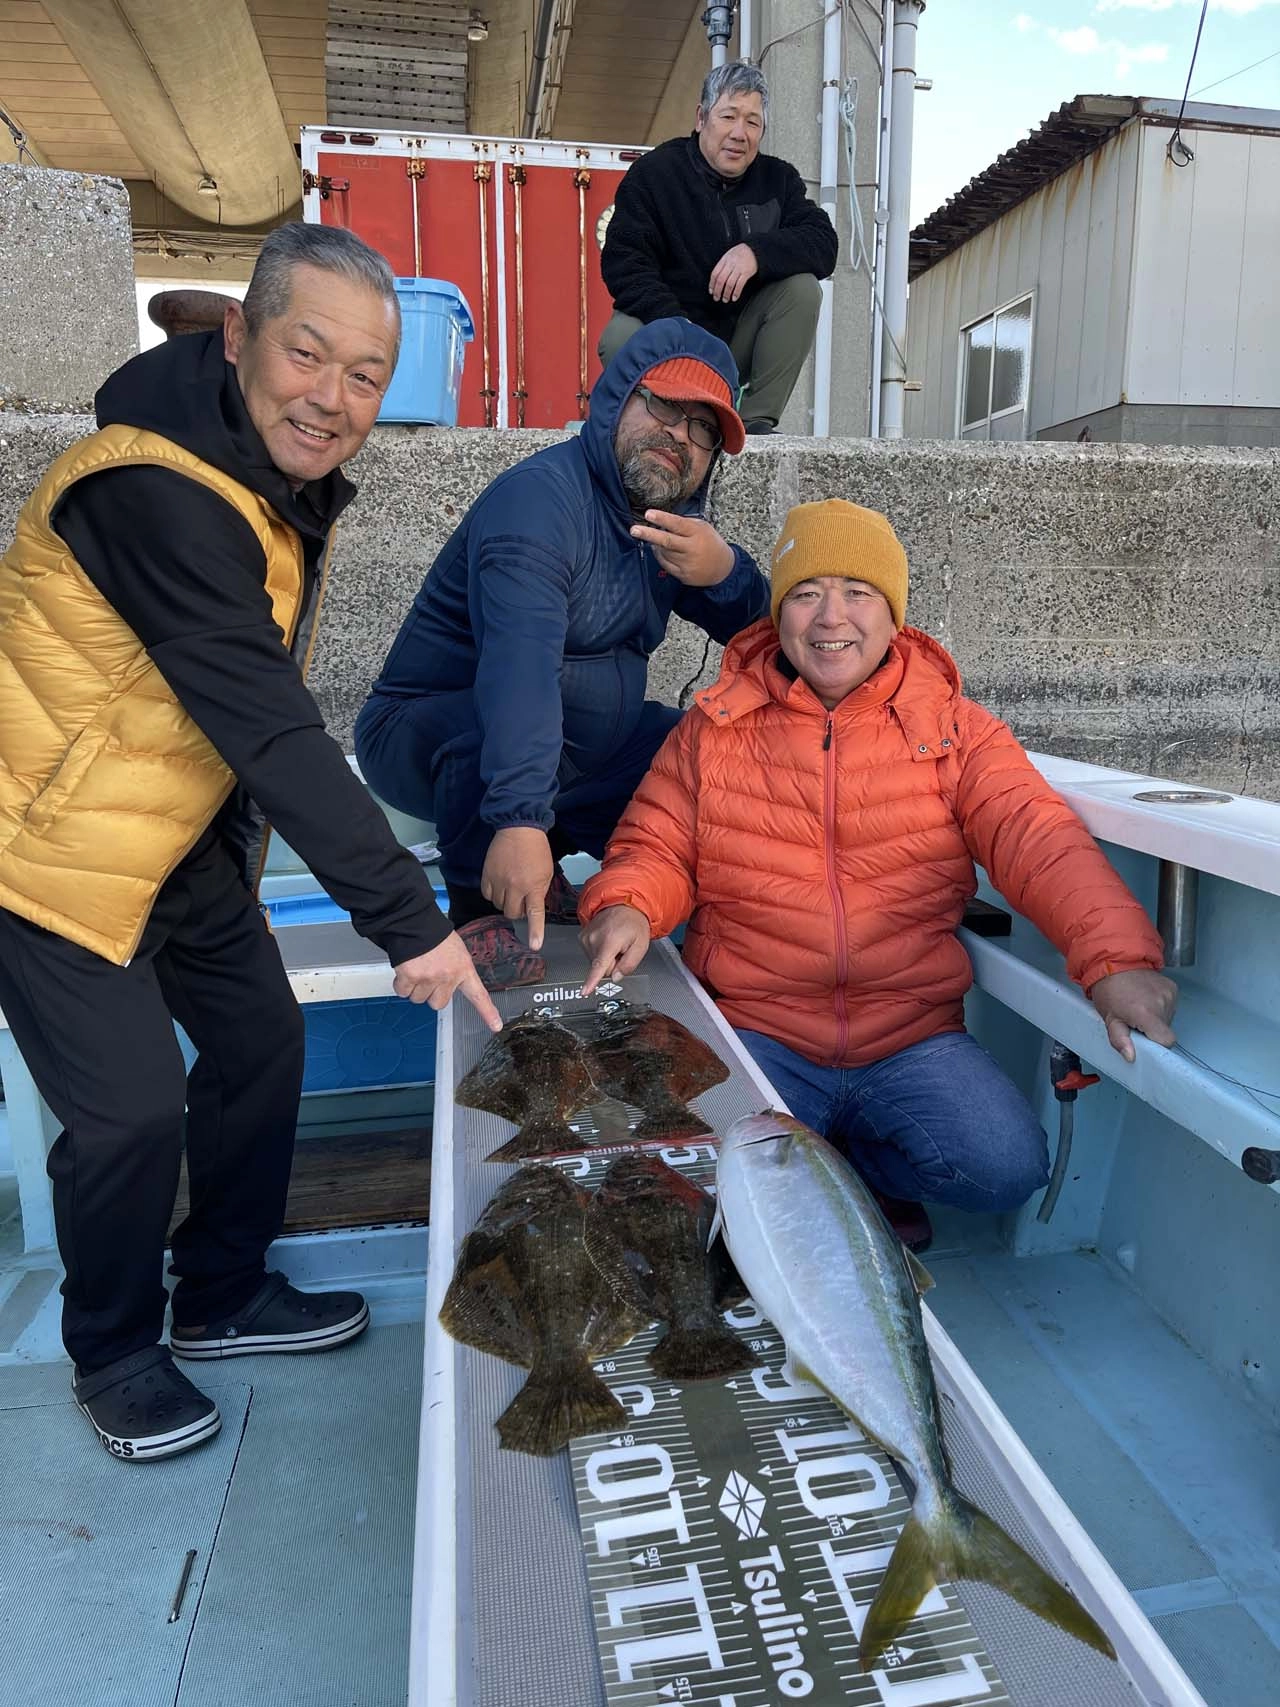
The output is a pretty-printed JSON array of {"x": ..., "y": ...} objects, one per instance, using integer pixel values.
[{"x": 684, "y": 379}]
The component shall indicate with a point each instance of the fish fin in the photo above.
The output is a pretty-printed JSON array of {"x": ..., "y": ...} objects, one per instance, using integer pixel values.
[
  {"x": 918, "y": 1272},
  {"x": 963, "y": 1542},
  {"x": 557, "y": 1403},
  {"x": 538, "y": 1137},
  {"x": 717, "y": 1226},
  {"x": 701, "y": 1353}
]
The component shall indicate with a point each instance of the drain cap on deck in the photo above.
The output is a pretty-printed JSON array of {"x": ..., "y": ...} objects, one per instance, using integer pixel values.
[{"x": 1185, "y": 796}]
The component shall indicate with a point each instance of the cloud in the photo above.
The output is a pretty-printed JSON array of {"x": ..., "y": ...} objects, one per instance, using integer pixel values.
[
  {"x": 1085, "y": 42},
  {"x": 1239, "y": 8}
]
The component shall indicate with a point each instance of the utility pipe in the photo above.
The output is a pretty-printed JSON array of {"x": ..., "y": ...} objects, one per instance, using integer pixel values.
[
  {"x": 538, "y": 70},
  {"x": 906, "y": 20},
  {"x": 717, "y": 20},
  {"x": 882, "y": 210},
  {"x": 745, "y": 21},
  {"x": 828, "y": 192}
]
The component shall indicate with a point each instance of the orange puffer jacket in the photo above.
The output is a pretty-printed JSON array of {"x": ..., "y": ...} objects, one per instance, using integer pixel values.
[{"x": 824, "y": 858}]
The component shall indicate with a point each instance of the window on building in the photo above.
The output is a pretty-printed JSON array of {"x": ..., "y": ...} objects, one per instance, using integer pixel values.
[{"x": 995, "y": 372}]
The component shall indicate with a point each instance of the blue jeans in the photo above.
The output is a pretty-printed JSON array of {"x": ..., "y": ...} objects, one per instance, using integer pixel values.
[{"x": 939, "y": 1121}]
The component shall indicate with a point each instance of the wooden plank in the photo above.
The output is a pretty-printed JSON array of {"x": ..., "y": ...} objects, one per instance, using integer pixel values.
[
  {"x": 20, "y": 32},
  {"x": 351, "y": 1180}
]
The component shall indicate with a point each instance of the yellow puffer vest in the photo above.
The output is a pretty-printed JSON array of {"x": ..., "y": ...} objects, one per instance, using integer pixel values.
[{"x": 105, "y": 781}]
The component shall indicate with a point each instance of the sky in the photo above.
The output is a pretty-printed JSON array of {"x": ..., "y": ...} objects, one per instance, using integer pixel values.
[{"x": 1000, "y": 67}]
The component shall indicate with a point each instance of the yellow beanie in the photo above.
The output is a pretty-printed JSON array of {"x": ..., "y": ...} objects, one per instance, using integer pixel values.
[{"x": 835, "y": 537}]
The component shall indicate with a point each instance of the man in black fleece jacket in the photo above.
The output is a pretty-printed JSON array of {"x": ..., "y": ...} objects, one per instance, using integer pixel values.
[
  {"x": 268, "y": 408},
  {"x": 708, "y": 228}
]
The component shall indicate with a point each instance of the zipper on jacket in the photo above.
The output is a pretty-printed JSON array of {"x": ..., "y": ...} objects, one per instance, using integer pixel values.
[{"x": 833, "y": 885}]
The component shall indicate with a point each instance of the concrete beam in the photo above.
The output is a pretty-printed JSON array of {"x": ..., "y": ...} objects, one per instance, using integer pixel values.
[{"x": 191, "y": 92}]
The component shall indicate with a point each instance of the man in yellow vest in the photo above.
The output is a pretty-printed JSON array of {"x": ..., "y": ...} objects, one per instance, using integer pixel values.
[{"x": 148, "y": 609}]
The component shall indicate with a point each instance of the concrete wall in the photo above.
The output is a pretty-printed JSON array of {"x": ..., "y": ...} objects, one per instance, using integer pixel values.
[
  {"x": 66, "y": 286},
  {"x": 1117, "y": 603}
]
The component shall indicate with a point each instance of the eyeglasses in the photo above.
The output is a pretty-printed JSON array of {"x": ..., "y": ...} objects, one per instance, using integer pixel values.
[{"x": 705, "y": 434}]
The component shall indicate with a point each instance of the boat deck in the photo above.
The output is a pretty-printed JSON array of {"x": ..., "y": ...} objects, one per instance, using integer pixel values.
[{"x": 301, "y": 1511}]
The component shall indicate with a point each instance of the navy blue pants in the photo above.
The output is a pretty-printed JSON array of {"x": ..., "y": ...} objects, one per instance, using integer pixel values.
[{"x": 422, "y": 756}]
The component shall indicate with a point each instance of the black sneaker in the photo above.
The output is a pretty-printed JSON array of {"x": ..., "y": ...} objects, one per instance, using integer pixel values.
[
  {"x": 143, "y": 1407},
  {"x": 277, "y": 1318},
  {"x": 759, "y": 427}
]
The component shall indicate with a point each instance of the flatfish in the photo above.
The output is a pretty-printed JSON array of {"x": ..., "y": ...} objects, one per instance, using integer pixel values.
[
  {"x": 662, "y": 1221},
  {"x": 525, "y": 1288},
  {"x": 650, "y": 1060},
  {"x": 535, "y": 1073}
]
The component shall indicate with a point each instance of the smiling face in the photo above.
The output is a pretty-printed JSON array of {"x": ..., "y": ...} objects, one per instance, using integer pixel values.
[
  {"x": 313, "y": 377},
  {"x": 835, "y": 633},
  {"x": 729, "y": 135},
  {"x": 660, "y": 465}
]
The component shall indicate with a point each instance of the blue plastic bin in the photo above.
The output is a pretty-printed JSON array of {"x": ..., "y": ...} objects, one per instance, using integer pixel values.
[{"x": 436, "y": 329}]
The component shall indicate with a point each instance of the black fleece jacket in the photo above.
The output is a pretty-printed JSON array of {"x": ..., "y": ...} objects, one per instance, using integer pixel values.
[
  {"x": 675, "y": 216},
  {"x": 186, "y": 572}
]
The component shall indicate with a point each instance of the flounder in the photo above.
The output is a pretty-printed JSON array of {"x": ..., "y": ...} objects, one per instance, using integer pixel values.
[
  {"x": 525, "y": 1288},
  {"x": 662, "y": 1221},
  {"x": 650, "y": 1060},
  {"x": 535, "y": 1073}
]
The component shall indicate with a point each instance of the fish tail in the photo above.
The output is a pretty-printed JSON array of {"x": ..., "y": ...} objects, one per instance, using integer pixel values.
[
  {"x": 557, "y": 1403},
  {"x": 699, "y": 1351},
  {"x": 544, "y": 1135},
  {"x": 963, "y": 1542},
  {"x": 674, "y": 1121}
]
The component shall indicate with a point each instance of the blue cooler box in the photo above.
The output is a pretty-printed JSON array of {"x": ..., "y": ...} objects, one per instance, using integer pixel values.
[
  {"x": 436, "y": 329},
  {"x": 357, "y": 1045}
]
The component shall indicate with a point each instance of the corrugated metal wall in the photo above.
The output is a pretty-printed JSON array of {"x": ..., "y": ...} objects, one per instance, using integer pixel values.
[
  {"x": 1071, "y": 247},
  {"x": 1204, "y": 321},
  {"x": 1152, "y": 284}
]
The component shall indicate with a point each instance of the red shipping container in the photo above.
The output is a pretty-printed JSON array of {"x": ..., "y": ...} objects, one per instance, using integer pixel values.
[{"x": 517, "y": 225}]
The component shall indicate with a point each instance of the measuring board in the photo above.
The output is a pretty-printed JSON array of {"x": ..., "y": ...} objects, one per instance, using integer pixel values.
[
  {"x": 506, "y": 1596},
  {"x": 736, "y": 1532}
]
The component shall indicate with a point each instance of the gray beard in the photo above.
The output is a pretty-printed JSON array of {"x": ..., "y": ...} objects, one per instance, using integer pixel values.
[{"x": 648, "y": 485}]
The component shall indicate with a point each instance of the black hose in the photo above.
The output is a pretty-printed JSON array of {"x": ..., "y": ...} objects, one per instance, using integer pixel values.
[{"x": 1066, "y": 1125}]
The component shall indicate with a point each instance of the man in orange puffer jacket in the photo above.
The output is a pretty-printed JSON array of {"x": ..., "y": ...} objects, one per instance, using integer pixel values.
[{"x": 817, "y": 819}]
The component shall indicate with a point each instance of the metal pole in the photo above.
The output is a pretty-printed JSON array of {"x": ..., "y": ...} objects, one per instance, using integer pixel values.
[
  {"x": 516, "y": 176},
  {"x": 882, "y": 209},
  {"x": 906, "y": 19},
  {"x": 828, "y": 175},
  {"x": 582, "y": 181},
  {"x": 744, "y": 28},
  {"x": 538, "y": 70},
  {"x": 1176, "y": 896},
  {"x": 717, "y": 20}
]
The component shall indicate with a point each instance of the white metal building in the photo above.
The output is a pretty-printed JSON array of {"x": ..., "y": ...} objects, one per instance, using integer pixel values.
[{"x": 1111, "y": 277}]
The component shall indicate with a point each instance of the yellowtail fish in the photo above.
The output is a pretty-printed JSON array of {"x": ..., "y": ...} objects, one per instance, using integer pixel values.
[{"x": 824, "y": 1266}]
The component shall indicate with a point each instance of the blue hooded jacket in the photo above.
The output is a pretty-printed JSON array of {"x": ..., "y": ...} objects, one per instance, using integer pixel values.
[{"x": 544, "y": 606}]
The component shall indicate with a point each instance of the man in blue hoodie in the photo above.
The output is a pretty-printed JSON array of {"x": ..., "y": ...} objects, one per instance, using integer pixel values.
[{"x": 511, "y": 709}]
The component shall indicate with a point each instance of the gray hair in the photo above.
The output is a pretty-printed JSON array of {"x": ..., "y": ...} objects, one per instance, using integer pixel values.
[
  {"x": 327, "y": 247},
  {"x": 737, "y": 77}
]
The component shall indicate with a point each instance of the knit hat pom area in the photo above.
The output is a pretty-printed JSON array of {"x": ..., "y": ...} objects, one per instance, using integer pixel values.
[{"x": 835, "y": 537}]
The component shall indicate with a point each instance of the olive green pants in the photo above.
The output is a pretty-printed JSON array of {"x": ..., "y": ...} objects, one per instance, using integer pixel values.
[{"x": 773, "y": 336}]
